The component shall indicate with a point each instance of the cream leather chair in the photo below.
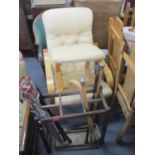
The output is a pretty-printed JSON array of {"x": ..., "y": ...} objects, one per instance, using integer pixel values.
[{"x": 71, "y": 53}]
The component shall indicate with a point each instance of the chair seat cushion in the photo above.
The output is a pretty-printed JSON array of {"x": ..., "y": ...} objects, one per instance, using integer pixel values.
[{"x": 75, "y": 53}]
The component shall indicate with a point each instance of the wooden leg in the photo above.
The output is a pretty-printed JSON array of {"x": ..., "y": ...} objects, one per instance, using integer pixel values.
[
  {"x": 59, "y": 78},
  {"x": 88, "y": 73},
  {"x": 125, "y": 128}
]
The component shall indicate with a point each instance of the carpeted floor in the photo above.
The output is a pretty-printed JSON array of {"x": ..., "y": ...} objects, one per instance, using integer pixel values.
[{"x": 110, "y": 147}]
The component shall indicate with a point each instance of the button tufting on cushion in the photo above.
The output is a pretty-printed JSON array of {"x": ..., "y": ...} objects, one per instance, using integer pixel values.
[
  {"x": 70, "y": 43},
  {"x": 63, "y": 25}
]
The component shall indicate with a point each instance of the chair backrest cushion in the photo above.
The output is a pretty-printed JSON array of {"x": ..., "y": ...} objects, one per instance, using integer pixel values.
[{"x": 68, "y": 26}]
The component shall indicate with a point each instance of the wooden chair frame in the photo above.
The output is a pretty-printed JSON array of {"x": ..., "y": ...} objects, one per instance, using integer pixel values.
[
  {"x": 59, "y": 81},
  {"x": 115, "y": 43},
  {"x": 126, "y": 92},
  {"x": 60, "y": 86}
]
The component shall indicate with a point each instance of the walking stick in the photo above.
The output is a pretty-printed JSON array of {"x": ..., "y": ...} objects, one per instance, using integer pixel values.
[{"x": 83, "y": 94}]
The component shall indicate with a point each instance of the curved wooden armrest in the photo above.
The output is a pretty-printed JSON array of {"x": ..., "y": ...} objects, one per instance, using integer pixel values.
[
  {"x": 108, "y": 74},
  {"x": 48, "y": 72}
]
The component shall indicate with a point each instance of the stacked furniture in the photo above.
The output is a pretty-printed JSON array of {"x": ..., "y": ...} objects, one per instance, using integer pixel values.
[
  {"x": 69, "y": 60},
  {"x": 122, "y": 64},
  {"x": 68, "y": 52}
]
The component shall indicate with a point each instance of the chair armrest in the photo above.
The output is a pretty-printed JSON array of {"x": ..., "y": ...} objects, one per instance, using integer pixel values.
[
  {"x": 108, "y": 75},
  {"x": 48, "y": 72}
]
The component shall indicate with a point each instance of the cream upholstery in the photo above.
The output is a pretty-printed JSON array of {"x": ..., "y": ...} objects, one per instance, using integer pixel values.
[
  {"x": 68, "y": 26},
  {"x": 75, "y": 53},
  {"x": 69, "y": 35}
]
